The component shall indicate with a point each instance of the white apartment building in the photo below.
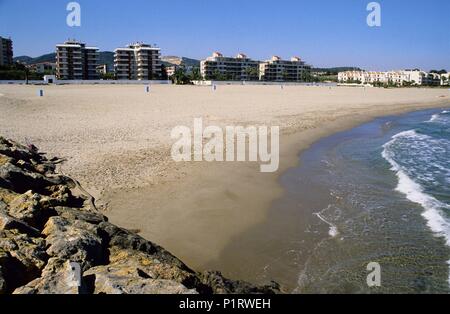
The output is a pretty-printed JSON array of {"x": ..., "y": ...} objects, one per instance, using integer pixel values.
[
  {"x": 138, "y": 61},
  {"x": 6, "y": 51},
  {"x": 414, "y": 77},
  {"x": 76, "y": 61},
  {"x": 445, "y": 79},
  {"x": 43, "y": 67},
  {"x": 363, "y": 77},
  {"x": 240, "y": 68},
  {"x": 102, "y": 69},
  {"x": 278, "y": 70}
]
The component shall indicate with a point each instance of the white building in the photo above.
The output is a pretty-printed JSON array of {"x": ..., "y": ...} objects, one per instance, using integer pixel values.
[
  {"x": 240, "y": 68},
  {"x": 138, "y": 61},
  {"x": 278, "y": 70},
  {"x": 43, "y": 67},
  {"x": 445, "y": 79},
  {"x": 413, "y": 77}
]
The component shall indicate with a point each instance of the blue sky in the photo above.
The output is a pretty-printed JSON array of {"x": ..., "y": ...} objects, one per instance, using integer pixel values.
[{"x": 413, "y": 33}]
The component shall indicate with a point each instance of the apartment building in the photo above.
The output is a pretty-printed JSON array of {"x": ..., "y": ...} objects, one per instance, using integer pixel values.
[
  {"x": 102, "y": 69},
  {"x": 43, "y": 67},
  {"x": 414, "y": 77},
  {"x": 278, "y": 70},
  {"x": 445, "y": 79},
  {"x": 76, "y": 61},
  {"x": 138, "y": 61},
  {"x": 240, "y": 68},
  {"x": 6, "y": 51}
]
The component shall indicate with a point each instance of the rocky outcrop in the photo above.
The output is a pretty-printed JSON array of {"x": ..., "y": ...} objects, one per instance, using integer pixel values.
[{"x": 54, "y": 240}]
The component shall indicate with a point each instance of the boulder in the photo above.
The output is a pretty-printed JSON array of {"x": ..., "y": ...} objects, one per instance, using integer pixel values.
[
  {"x": 8, "y": 222},
  {"x": 77, "y": 241},
  {"x": 121, "y": 279},
  {"x": 58, "y": 277}
]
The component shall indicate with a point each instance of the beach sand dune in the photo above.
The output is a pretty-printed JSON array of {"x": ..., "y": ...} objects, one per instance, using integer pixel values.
[{"x": 117, "y": 143}]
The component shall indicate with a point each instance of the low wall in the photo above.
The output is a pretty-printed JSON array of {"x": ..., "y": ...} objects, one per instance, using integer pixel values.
[{"x": 210, "y": 83}]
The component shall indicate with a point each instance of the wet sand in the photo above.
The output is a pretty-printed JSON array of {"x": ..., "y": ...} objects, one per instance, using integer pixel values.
[{"x": 117, "y": 140}]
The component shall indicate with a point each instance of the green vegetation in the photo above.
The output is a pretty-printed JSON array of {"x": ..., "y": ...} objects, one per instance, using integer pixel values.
[
  {"x": 181, "y": 78},
  {"x": 439, "y": 72},
  {"x": 335, "y": 70},
  {"x": 108, "y": 76},
  {"x": 18, "y": 71}
]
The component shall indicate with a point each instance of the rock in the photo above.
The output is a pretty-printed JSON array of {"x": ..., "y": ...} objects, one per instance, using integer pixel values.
[
  {"x": 26, "y": 257},
  {"x": 77, "y": 241},
  {"x": 122, "y": 280},
  {"x": 123, "y": 238},
  {"x": 80, "y": 214},
  {"x": 7, "y": 196},
  {"x": 3, "y": 260},
  {"x": 221, "y": 285},
  {"x": 58, "y": 277},
  {"x": 10, "y": 223},
  {"x": 45, "y": 229},
  {"x": 28, "y": 250},
  {"x": 21, "y": 180},
  {"x": 28, "y": 208}
]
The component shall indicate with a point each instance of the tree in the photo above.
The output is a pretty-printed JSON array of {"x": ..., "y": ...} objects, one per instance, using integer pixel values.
[
  {"x": 180, "y": 78},
  {"x": 196, "y": 75},
  {"x": 252, "y": 73},
  {"x": 107, "y": 76}
]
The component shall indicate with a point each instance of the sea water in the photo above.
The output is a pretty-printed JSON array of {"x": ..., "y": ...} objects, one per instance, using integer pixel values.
[
  {"x": 388, "y": 186},
  {"x": 376, "y": 193}
]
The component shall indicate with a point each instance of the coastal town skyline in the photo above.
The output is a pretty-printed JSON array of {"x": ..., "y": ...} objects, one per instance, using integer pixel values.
[{"x": 342, "y": 26}]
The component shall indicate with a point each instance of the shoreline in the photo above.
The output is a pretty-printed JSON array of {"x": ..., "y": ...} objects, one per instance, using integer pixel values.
[
  {"x": 292, "y": 145},
  {"x": 121, "y": 145}
]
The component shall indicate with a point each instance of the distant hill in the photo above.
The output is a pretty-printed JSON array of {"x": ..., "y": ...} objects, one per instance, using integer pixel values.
[
  {"x": 175, "y": 60},
  {"x": 106, "y": 57},
  {"x": 23, "y": 59},
  {"x": 29, "y": 60}
]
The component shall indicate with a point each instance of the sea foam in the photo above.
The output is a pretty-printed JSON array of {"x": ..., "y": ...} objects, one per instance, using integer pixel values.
[{"x": 415, "y": 192}]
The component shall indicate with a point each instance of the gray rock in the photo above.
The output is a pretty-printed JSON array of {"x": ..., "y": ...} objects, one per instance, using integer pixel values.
[
  {"x": 221, "y": 285},
  {"x": 58, "y": 277},
  {"x": 119, "y": 280},
  {"x": 78, "y": 241},
  {"x": 10, "y": 223}
]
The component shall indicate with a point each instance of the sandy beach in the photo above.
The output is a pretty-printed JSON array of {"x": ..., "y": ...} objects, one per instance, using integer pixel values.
[{"x": 117, "y": 143}]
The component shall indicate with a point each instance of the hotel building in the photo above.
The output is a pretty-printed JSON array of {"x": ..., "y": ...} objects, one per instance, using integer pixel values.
[
  {"x": 278, "y": 70},
  {"x": 240, "y": 68},
  {"x": 75, "y": 61},
  {"x": 414, "y": 77},
  {"x": 137, "y": 62},
  {"x": 6, "y": 51}
]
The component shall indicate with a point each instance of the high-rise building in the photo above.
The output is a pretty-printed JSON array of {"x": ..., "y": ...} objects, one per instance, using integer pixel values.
[
  {"x": 6, "y": 51},
  {"x": 240, "y": 68},
  {"x": 138, "y": 61},
  {"x": 278, "y": 70},
  {"x": 76, "y": 61}
]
